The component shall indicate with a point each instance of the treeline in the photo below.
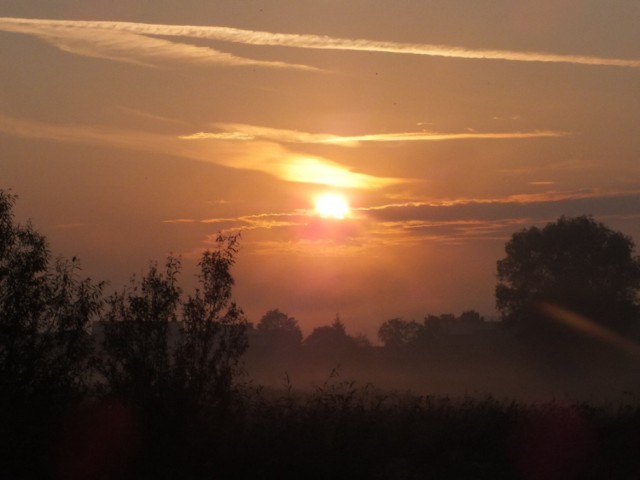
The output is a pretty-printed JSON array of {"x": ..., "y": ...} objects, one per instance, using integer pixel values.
[
  {"x": 277, "y": 348},
  {"x": 280, "y": 331}
]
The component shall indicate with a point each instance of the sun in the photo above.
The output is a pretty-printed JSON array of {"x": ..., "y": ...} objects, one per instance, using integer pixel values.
[{"x": 332, "y": 205}]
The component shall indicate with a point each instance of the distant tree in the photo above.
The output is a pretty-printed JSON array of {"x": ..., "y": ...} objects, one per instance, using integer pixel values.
[
  {"x": 396, "y": 333},
  {"x": 576, "y": 264},
  {"x": 361, "y": 341},
  {"x": 279, "y": 329},
  {"x": 330, "y": 338},
  {"x": 433, "y": 327},
  {"x": 471, "y": 318}
]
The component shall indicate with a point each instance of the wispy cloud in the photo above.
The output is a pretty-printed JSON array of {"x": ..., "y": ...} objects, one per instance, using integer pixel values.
[
  {"x": 415, "y": 224},
  {"x": 302, "y": 168},
  {"x": 261, "y": 156},
  {"x": 89, "y": 40},
  {"x": 180, "y": 220},
  {"x": 251, "y": 37},
  {"x": 242, "y": 132},
  {"x": 544, "y": 206},
  {"x": 464, "y": 220}
]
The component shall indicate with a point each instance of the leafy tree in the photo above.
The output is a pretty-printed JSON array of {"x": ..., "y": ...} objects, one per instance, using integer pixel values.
[
  {"x": 45, "y": 314},
  {"x": 576, "y": 264},
  {"x": 397, "y": 332},
  {"x": 214, "y": 329},
  {"x": 137, "y": 359},
  {"x": 279, "y": 329},
  {"x": 330, "y": 338},
  {"x": 436, "y": 326},
  {"x": 45, "y": 347},
  {"x": 158, "y": 346},
  {"x": 471, "y": 318},
  {"x": 361, "y": 341}
]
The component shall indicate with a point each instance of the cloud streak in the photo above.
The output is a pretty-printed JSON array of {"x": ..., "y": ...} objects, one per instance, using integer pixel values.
[
  {"x": 128, "y": 46},
  {"x": 242, "y": 132},
  {"x": 455, "y": 222},
  {"x": 535, "y": 207},
  {"x": 251, "y": 37},
  {"x": 265, "y": 157},
  {"x": 467, "y": 220}
]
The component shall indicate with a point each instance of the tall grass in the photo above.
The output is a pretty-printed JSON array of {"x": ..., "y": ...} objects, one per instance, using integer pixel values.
[{"x": 340, "y": 429}]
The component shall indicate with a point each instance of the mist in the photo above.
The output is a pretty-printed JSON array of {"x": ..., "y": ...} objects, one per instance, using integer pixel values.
[{"x": 480, "y": 364}]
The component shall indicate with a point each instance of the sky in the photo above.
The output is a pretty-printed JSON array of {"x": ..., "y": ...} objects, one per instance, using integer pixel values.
[{"x": 135, "y": 130}]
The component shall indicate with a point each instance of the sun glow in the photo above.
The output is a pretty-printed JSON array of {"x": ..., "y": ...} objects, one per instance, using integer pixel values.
[{"x": 332, "y": 205}]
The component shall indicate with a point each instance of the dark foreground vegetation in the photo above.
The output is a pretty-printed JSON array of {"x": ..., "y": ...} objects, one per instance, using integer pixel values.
[
  {"x": 337, "y": 431},
  {"x": 151, "y": 382}
]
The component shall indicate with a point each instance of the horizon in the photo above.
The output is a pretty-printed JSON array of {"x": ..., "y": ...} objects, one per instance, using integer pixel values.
[{"x": 131, "y": 133}]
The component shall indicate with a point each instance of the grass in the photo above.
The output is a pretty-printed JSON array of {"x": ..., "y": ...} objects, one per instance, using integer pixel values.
[
  {"x": 345, "y": 431},
  {"x": 337, "y": 430}
]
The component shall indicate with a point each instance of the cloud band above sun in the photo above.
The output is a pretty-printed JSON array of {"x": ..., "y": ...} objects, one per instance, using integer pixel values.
[
  {"x": 234, "y": 131},
  {"x": 104, "y": 39},
  {"x": 261, "y": 156}
]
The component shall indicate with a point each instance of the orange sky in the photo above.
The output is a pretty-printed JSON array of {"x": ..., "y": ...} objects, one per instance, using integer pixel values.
[{"x": 131, "y": 130}]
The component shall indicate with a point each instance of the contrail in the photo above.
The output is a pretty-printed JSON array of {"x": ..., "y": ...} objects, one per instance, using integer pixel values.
[
  {"x": 251, "y": 37},
  {"x": 129, "y": 46}
]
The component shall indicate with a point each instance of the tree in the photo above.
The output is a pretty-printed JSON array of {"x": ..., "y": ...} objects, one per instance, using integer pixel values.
[
  {"x": 396, "y": 333},
  {"x": 576, "y": 264},
  {"x": 45, "y": 314},
  {"x": 330, "y": 338},
  {"x": 160, "y": 347},
  {"x": 279, "y": 329},
  {"x": 45, "y": 348},
  {"x": 137, "y": 356},
  {"x": 471, "y": 318},
  {"x": 214, "y": 329}
]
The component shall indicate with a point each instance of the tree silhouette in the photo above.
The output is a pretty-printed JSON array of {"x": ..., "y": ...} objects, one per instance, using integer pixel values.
[
  {"x": 158, "y": 347},
  {"x": 575, "y": 264},
  {"x": 280, "y": 330},
  {"x": 45, "y": 312},
  {"x": 137, "y": 357},
  {"x": 45, "y": 347},
  {"x": 330, "y": 338},
  {"x": 396, "y": 333},
  {"x": 214, "y": 329}
]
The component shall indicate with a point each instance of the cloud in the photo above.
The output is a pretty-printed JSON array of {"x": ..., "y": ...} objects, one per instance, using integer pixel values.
[
  {"x": 236, "y": 131},
  {"x": 467, "y": 220},
  {"x": 266, "y": 157},
  {"x": 129, "y": 47},
  {"x": 536, "y": 207},
  {"x": 251, "y": 37},
  {"x": 417, "y": 223},
  {"x": 300, "y": 231},
  {"x": 180, "y": 220}
]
